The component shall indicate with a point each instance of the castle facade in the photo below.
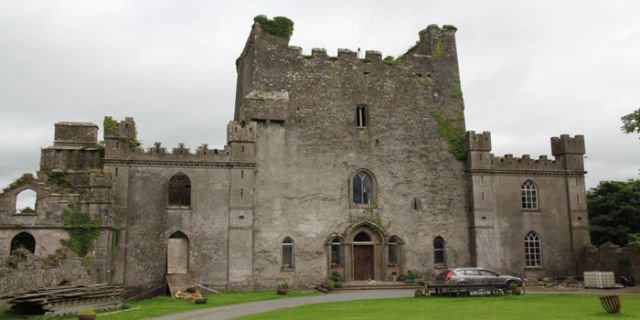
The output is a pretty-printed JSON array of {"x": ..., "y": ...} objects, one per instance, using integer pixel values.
[{"x": 352, "y": 164}]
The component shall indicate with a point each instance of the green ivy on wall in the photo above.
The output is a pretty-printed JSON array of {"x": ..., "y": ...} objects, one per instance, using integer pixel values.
[
  {"x": 82, "y": 229},
  {"x": 451, "y": 129},
  {"x": 110, "y": 126},
  {"x": 25, "y": 178},
  {"x": 278, "y": 26},
  {"x": 438, "y": 49}
]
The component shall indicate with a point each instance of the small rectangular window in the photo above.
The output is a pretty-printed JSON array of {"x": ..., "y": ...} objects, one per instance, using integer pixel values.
[{"x": 361, "y": 116}]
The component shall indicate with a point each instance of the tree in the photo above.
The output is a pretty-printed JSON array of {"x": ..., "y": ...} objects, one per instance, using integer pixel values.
[
  {"x": 614, "y": 212},
  {"x": 631, "y": 122}
]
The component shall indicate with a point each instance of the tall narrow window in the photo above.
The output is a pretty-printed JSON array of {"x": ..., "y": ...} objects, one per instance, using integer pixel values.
[
  {"x": 394, "y": 260},
  {"x": 529, "y": 195},
  {"x": 438, "y": 250},
  {"x": 361, "y": 116},
  {"x": 336, "y": 252},
  {"x": 362, "y": 188},
  {"x": 180, "y": 191},
  {"x": 287, "y": 253},
  {"x": 532, "y": 250}
]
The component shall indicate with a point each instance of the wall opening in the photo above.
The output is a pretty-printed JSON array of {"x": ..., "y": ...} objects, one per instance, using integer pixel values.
[
  {"x": 23, "y": 240},
  {"x": 26, "y": 201},
  {"x": 178, "y": 253}
]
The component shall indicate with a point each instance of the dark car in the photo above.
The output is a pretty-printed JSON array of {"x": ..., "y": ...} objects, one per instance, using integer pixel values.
[{"x": 476, "y": 277}]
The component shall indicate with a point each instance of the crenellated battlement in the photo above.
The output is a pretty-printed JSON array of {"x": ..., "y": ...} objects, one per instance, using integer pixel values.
[
  {"x": 479, "y": 145},
  {"x": 566, "y": 144},
  {"x": 118, "y": 148},
  {"x": 479, "y": 141}
]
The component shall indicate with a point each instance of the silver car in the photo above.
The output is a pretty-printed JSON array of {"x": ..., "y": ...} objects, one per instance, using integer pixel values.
[{"x": 476, "y": 277}]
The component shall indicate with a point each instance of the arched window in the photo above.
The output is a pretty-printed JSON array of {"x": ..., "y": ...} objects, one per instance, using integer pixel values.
[
  {"x": 26, "y": 201},
  {"x": 180, "y": 191},
  {"x": 529, "y": 195},
  {"x": 532, "y": 250},
  {"x": 362, "y": 237},
  {"x": 287, "y": 253},
  {"x": 394, "y": 254},
  {"x": 362, "y": 188},
  {"x": 438, "y": 250},
  {"x": 336, "y": 252},
  {"x": 23, "y": 240}
]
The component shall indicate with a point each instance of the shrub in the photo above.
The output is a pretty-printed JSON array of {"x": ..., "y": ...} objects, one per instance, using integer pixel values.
[{"x": 278, "y": 26}]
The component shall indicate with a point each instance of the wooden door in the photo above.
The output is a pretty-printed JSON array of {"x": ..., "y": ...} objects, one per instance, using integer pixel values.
[{"x": 363, "y": 262}]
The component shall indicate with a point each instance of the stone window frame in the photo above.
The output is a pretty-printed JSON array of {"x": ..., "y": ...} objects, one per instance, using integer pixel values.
[
  {"x": 288, "y": 264},
  {"x": 336, "y": 245},
  {"x": 174, "y": 191},
  {"x": 439, "y": 251},
  {"x": 532, "y": 250},
  {"x": 529, "y": 196},
  {"x": 373, "y": 192},
  {"x": 394, "y": 243},
  {"x": 362, "y": 116},
  {"x": 31, "y": 211}
]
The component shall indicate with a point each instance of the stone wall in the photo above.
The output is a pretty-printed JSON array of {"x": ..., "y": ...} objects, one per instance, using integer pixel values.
[
  {"x": 23, "y": 271},
  {"x": 609, "y": 257}
]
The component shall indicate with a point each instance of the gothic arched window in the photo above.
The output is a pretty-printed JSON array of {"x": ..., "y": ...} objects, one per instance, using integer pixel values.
[
  {"x": 363, "y": 188},
  {"x": 529, "y": 195},
  {"x": 532, "y": 250}
]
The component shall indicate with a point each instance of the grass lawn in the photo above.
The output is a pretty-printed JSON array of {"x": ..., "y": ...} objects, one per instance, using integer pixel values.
[
  {"x": 164, "y": 305},
  {"x": 505, "y": 307}
]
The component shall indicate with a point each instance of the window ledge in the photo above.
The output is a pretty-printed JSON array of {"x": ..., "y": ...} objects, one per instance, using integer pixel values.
[
  {"x": 530, "y": 210},
  {"x": 18, "y": 214},
  {"x": 534, "y": 268},
  {"x": 178, "y": 208},
  {"x": 288, "y": 269}
]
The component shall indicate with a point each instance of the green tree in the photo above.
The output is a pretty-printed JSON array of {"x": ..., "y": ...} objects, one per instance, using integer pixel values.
[
  {"x": 631, "y": 122},
  {"x": 614, "y": 212},
  {"x": 82, "y": 229}
]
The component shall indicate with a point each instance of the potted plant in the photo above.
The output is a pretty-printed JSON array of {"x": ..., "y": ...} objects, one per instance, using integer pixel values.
[
  {"x": 419, "y": 293},
  {"x": 329, "y": 284},
  {"x": 283, "y": 288},
  {"x": 410, "y": 277},
  {"x": 87, "y": 314},
  {"x": 337, "y": 278}
]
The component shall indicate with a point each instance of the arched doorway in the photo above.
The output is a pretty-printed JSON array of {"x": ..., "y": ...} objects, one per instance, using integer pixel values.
[
  {"x": 23, "y": 240},
  {"x": 178, "y": 253},
  {"x": 363, "y": 252},
  {"x": 363, "y": 257}
]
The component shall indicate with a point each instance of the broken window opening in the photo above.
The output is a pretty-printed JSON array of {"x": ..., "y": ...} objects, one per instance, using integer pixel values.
[
  {"x": 180, "y": 191},
  {"x": 23, "y": 240}
]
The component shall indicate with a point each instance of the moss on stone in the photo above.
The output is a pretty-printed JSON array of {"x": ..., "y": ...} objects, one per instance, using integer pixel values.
[
  {"x": 389, "y": 60},
  {"x": 110, "y": 126},
  {"x": 438, "y": 49},
  {"x": 278, "y": 26},
  {"x": 25, "y": 178},
  {"x": 453, "y": 133}
]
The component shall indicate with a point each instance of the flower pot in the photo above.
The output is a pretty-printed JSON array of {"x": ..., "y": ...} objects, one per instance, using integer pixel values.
[
  {"x": 611, "y": 304},
  {"x": 409, "y": 280},
  {"x": 87, "y": 317}
]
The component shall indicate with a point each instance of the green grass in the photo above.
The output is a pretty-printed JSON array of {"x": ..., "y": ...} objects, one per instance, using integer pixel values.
[
  {"x": 164, "y": 305},
  {"x": 506, "y": 307}
]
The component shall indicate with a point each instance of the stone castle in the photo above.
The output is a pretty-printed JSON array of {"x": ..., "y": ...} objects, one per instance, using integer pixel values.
[{"x": 349, "y": 164}]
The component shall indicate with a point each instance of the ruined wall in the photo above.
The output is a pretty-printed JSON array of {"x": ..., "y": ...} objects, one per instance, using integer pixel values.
[
  {"x": 309, "y": 147},
  {"x": 24, "y": 271},
  {"x": 623, "y": 261},
  {"x": 500, "y": 223}
]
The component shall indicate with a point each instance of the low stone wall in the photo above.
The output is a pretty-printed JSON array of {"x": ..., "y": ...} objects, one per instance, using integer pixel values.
[
  {"x": 623, "y": 261},
  {"x": 23, "y": 271}
]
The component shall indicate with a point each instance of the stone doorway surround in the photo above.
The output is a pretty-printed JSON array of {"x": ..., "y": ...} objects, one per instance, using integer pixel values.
[{"x": 364, "y": 253}]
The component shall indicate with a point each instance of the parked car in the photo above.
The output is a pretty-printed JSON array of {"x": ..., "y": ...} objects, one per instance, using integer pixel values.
[{"x": 476, "y": 277}]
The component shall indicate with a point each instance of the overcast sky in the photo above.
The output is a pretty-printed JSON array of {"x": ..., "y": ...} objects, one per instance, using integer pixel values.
[{"x": 529, "y": 69}]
